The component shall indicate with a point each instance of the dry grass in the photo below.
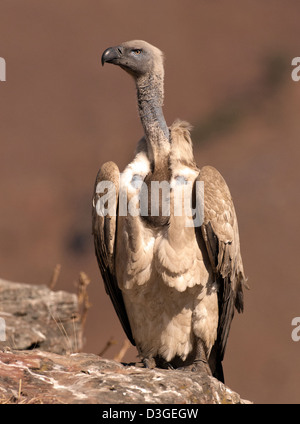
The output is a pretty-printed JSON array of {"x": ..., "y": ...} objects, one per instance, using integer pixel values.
[
  {"x": 20, "y": 398},
  {"x": 83, "y": 297},
  {"x": 126, "y": 345},
  {"x": 54, "y": 276},
  {"x": 83, "y": 302},
  {"x": 108, "y": 344}
]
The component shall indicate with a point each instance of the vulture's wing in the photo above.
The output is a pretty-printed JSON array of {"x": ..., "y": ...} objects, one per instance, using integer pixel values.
[
  {"x": 105, "y": 232},
  {"x": 221, "y": 237}
]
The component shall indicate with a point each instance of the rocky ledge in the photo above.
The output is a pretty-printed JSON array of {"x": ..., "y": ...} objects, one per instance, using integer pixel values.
[{"x": 38, "y": 363}]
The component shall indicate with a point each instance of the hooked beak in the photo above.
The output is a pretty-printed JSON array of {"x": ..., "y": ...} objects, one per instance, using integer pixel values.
[{"x": 111, "y": 55}]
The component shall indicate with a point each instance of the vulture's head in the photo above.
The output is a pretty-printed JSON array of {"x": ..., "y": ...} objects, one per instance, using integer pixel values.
[{"x": 136, "y": 57}]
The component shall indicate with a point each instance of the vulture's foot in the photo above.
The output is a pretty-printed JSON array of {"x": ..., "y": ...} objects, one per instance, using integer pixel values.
[
  {"x": 149, "y": 363},
  {"x": 162, "y": 363},
  {"x": 199, "y": 362},
  {"x": 199, "y": 365}
]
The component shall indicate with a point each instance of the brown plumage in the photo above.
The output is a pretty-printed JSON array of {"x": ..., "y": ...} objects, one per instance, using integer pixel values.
[{"x": 174, "y": 287}]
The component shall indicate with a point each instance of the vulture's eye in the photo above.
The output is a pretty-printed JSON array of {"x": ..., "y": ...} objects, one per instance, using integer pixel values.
[{"x": 137, "y": 51}]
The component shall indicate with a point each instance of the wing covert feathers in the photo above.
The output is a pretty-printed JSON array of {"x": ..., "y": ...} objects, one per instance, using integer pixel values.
[
  {"x": 104, "y": 229},
  {"x": 221, "y": 237}
]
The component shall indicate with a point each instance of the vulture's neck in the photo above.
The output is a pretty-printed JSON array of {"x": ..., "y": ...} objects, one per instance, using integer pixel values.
[{"x": 150, "y": 93}]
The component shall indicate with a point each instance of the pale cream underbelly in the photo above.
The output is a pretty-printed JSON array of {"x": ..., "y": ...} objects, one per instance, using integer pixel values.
[{"x": 166, "y": 322}]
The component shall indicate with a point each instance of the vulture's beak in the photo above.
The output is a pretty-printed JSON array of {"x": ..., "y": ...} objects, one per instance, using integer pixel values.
[{"x": 111, "y": 54}]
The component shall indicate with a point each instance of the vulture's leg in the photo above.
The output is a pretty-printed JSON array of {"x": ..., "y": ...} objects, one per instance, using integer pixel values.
[
  {"x": 199, "y": 360},
  {"x": 149, "y": 363},
  {"x": 145, "y": 363},
  {"x": 157, "y": 362}
]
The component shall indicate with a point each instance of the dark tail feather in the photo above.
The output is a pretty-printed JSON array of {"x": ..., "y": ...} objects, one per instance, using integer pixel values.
[
  {"x": 218, "y": 372},
  {"x": 215, "y": 364}
]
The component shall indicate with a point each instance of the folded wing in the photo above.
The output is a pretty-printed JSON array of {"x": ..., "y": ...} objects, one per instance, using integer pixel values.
[
  {"x": 221, "y": 236},
  {"x": 104, "y": 222}
]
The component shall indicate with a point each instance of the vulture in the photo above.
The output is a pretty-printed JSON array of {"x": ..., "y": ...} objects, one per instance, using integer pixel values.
[{"x": 174, "y": 286}]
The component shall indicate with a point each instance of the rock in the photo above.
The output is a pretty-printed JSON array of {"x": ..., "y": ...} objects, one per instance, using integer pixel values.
[
  {"x": 36, "y": 317},
  {"x": 46, "y": 377},
  {"x": 41, "y": 330}
]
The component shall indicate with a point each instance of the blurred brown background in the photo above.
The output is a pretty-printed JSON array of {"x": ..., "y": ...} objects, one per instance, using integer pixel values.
[{"x": 228, "y": 72}]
